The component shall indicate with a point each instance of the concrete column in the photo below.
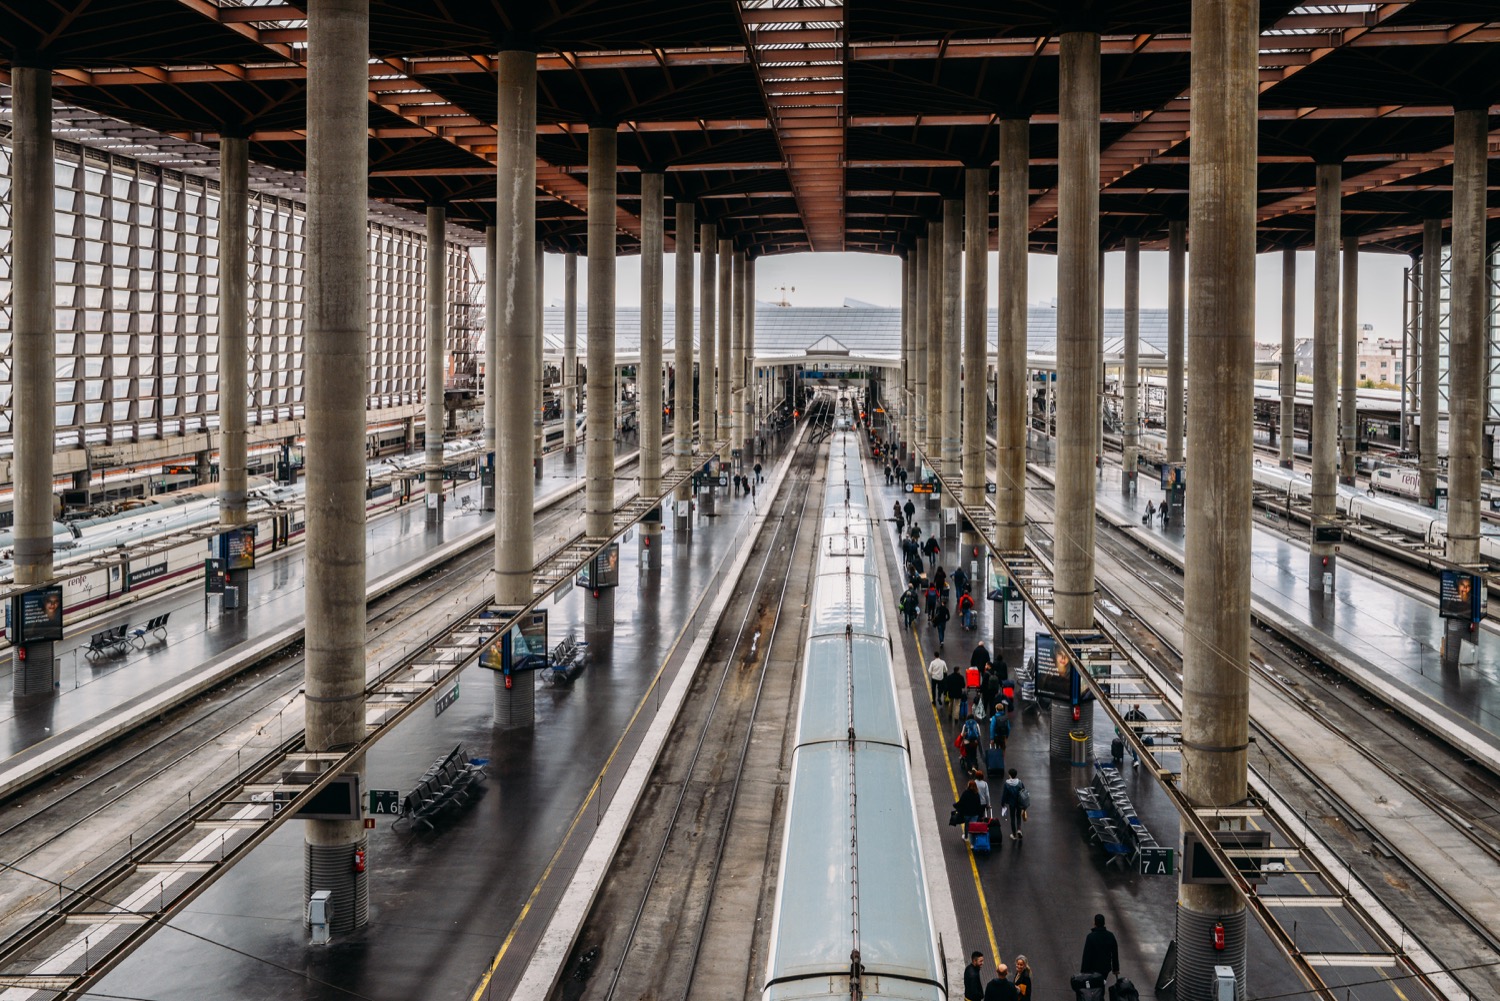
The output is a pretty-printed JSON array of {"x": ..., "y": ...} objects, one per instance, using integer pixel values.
[
  {"x": 903, "y": 403},
  {"x": 234, "y": 195},
  {"x": 737, "y": 352},
  {"x": 976, "y": 336},
  {"x": 1468, "y": 339},
  {"x": 1288, "y": 423},
  {"x": 724, "y": 351},
  {"x": 1427, "y": 436},
  {"x": 1176, "y": 333},
  {"x": 338, "y": 318},
  {"x": 515, "y": 356},
  {"x": 539, "y": 384},
  {"x": 599, "y": 505},
  {"x": 682, "y": 403},
  {"x": 1099, "y": 372},
  {"x": 919, "y": 320},
  {"x": 936, "y": 279},
  {"x": 1077, "y": 328},
  {"x": 752, "y": 403},
  {"x": 570, "y": 353},
  {"x": 33, "y": 195},
  {"x": 708, "y": 344},
  {"x": 1325, "y": 368},
  {"x": 1012, "y": 390},
  {"x": 1130, "y": 376},
  {"x": 953, "y": 290},
  {"x": 1216, "y": 630},
  {"x": 491, "y": 324},
  {"x": 1349, "y": 362},
  {"x": 648, "y": 378},
  {"x": 437, "y": 360}
]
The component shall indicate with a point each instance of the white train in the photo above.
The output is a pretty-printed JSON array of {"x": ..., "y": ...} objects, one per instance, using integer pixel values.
[
  {"x": 90, "y": 589},
  {"x": 1363, "y": 507},
  {"x": 852, "y": 917}
]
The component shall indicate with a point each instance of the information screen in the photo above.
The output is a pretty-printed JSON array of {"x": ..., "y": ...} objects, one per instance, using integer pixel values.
[{"x": 38, "y": 614}]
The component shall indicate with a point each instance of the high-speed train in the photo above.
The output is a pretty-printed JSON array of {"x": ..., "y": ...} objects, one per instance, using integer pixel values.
[
  {"x": 1365, "y": 507},
  {"x": 852, "y": 917},
  {"x": 90, "y": 589}
]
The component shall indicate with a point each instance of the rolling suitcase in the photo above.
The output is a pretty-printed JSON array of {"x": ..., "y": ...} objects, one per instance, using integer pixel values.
[
  {"x": 1088, "y": 986},
  {"x": 979, "y": 835}
]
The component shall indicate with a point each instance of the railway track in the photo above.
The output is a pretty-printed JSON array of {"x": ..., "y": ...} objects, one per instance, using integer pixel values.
[
  {"x": 68, "y": 838},
  {"x": 1409, "y": 814},
  {"x": 656, "y": 910}
]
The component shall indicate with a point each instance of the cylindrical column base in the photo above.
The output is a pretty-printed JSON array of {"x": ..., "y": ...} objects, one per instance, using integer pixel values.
[
  {"x": 1197, "y": 957},
  {"x": 515, "y": 707},
  {"x": 1060, "y": 744},
  {"x": 650, "y": 551},
  {"x": 331, "y": 867},
  {"x": 1322, "y": 569},
  {"x": 34, "y": 670},
  {"x": 434, "y": 508}
]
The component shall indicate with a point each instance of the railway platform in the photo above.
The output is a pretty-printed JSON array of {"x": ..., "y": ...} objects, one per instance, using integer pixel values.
[
  {"x": 1385, "y": 634},
  {"x": 476, "y": 893},
  {"x": 201, "y": 640}
]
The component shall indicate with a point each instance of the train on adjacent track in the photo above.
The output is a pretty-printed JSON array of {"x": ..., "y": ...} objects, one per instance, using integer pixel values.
[
  {"x": 95, "y": 586},
  {"x": 1366, "y": 507},
  {"x": 852, "y": 917}
]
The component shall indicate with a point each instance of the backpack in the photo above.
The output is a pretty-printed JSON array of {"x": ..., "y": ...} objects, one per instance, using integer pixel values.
[
  {"x": 963, "y": 710},
  {"x": 1000, "y": 727},
  {"x": 1124, "y": 990},
  {"x": 1117, "y": 749},
  {"x": 971, "y": 729},
  {"x": 1023, "y": 797}
]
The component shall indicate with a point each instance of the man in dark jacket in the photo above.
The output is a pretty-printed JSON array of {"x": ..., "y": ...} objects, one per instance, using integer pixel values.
[
  {"x": 973, "y": 982},
  {"x": 1001, "y": 988},
  {"x": 1101, "y": 954}
]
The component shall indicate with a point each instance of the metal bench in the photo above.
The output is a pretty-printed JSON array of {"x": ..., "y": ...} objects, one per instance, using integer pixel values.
[
  {"x": 108, "y": 642},
  {"x": 447, "y": 783},
  {"x": 155, "y": 628}
]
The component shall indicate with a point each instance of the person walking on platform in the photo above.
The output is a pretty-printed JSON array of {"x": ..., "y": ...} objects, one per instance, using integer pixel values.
[
  {"x": 1150, "y": 514},
  {"x": 937, "y": 670},
  {"x": 969, "y": 808},
  {"x": 973, "y": 986},
  {"x": 1023, "y": 978},
  {"x": 969, "y": 749},
  {"x": 953, "y": 687},
  {"x": 889, "y": 477},
  {"x": 908, "y": 606},
  {"x": 960, "y": 580},
  {"x": 932, "y": 550},
  {"x": 1134, "y": 715},
  {"x": 999, "y": 728},
  {"x": 940, "y": 621},
  {"x": 980, "y": 658},
  {"x": 1101, "y": 953},
  {"x": 940, "y": 578},
  {"x": 1000, "y": 988},
  {"x": 930, "y": 595},
  {"x": 899, "y": 518},
  {"x": 759, "y": 478},
  {"x": 911, "y": 511},
  {"x": 983, "y": 788},
  {"x": 966, "y": 609},
  {"x": 1015, "y": 800}
]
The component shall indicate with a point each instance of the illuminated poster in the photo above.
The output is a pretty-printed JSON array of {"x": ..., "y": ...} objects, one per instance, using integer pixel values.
[{"x": 237, "y": 548}]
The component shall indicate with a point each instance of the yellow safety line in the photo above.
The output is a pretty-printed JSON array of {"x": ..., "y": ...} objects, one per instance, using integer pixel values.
[
  {"x": 594, "y": 790},
  {"x": 984, "y": 907}
]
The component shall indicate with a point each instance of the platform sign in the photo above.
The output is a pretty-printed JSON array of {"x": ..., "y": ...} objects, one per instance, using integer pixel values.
[
  {"x": 444, "y": 701},
  {"x": 1158, "y": 861},
  {"x": 385, "y": 802},
  {"x": 522, "y": 647},
  {"x": 36, "y": 615},
  {"x": 1198, "y": 865},
  {"x": 1461, "y": 595},
  {"x": 237, "y": 548},
  {"x": 213, "y": 576}
]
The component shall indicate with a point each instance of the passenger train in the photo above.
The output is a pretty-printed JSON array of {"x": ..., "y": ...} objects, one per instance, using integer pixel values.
[
  {"x": 852, "y": 917},
  {"x": 89, "y": 589},
  {"x": 1365, "y": 507}
]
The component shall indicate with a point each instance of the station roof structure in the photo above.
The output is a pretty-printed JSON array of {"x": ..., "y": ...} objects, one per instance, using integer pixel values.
[{"x": 802, "y": 124}]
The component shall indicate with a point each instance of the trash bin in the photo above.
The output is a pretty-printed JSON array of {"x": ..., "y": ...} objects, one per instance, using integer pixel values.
[
  {"x": 1078, "y": 744},
  {"x": 231, "y": 597}
]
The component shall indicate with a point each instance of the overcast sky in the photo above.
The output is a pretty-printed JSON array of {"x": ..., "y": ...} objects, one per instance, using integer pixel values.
[{"x": 827, "y": 279}]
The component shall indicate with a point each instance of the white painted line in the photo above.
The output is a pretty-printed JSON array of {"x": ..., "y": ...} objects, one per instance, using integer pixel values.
[{"x": 546, "y": 964}]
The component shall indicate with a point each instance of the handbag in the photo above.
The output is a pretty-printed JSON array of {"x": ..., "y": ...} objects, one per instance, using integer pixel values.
[{"x": 954, "y": 819}]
